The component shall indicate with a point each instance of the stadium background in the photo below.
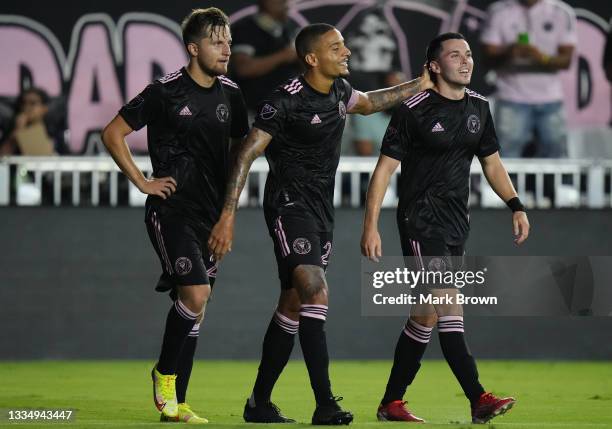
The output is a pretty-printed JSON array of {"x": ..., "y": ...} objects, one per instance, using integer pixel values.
[{"x": 80, "y": 279}]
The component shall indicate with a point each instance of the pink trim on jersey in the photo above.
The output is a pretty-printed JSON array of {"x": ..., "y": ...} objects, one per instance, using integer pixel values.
[
  {"x": 418, "y": 94},
  {"x": 413, "y": 103},
  {"x": 294, "y": 86},
  {"x": 171, "y": 76},
  {"x": 228, "y": 81},
  {"x": 353, "y": 100},
  {"x": 475, "y": 94}
]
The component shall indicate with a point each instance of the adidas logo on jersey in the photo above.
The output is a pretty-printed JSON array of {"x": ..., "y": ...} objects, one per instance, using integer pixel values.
[
  {"x": 315, "y": 119},
  {"x": 185, "y": 111},
  {"x": 438, "y": 128}
]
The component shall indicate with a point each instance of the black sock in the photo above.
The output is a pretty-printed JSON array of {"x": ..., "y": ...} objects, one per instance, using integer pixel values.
[
  {"x": 410, "y": 348},
  {"x": 178, "y": 325},
  {"x": 277, "y": 346},
  {"x": 458, "y": 356},
  {"x": 314, "y": 348},
  {"x": 185, "y": 363}
]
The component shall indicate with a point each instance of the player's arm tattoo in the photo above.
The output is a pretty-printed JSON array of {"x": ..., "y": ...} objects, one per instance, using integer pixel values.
[
  {"x": 247, "y": 152},
  {"x": 383, "y": 99}
]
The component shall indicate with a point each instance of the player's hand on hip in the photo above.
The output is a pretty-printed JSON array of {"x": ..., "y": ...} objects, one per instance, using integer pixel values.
[
  {"x": 221, "y": 236},
  {"x": 161, "y": 186},
  {"x": 371, "y": 245},
  {"x": 520, "y": 225}
]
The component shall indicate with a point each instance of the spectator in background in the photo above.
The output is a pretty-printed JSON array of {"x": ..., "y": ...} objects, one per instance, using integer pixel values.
[
  {"x": 263, "y": 53},
  {"x": 527, "y": 42},
  {"x": 31, "y": 131},
  {"x": 368, "y": 131}
]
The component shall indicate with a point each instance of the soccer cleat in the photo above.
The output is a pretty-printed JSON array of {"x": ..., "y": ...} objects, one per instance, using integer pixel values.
[
  {"x": 489, "y": 406},
  {"x": 164, "y": 394},
  {"x": 266, "y": 413},
  {"x": 331, "y": 413},
  {"x": 396, "y": 411},
  {"x": 186, "y": 415}
]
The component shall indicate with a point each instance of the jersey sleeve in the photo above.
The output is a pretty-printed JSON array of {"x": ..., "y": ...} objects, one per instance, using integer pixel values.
[
  {"x": 272, "y": 114},
  {"x": 144, "y": 108},
  {"x": 488, "y": 144},
  {"x": 240, "y": 119},
  {"x": 398, "y": 139},
  {"x": 351, "y": 95}
]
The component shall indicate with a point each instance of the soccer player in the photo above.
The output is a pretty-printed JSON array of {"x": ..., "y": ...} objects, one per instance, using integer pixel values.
[
  {"x": 435, "y": 135},
  {"x": 300, "y": 126},
  {"x": 192, "y": 115}
]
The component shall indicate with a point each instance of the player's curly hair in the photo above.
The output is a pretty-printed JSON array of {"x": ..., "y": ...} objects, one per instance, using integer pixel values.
[{"x": 201, "y": 23}]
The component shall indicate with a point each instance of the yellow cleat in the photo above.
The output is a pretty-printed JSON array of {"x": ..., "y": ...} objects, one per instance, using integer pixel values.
[
  {"x": 186, "y": 414},
  {"x": 164, "y": 395}
]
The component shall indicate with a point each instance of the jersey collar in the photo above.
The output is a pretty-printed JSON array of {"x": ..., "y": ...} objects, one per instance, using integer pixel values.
[
  {"x": 196, "y": 85},
  {"x": 314, "y": 91},
  {"x": 449, "y": 100}
]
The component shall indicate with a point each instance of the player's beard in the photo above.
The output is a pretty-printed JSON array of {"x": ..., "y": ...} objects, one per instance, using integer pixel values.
[{"x": 210, "y": 71}]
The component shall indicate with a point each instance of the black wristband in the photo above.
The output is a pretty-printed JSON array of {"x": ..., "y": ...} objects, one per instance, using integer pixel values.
[{"x": 515, "y": 205}]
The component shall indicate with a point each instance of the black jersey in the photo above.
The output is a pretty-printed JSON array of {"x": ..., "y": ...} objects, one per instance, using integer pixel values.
[
  {"x": 188, "y": 133},
  {"x": 436, "y": 139},
  {"x": 306, "y": 127},
  {"x": 255, "y": 37}
]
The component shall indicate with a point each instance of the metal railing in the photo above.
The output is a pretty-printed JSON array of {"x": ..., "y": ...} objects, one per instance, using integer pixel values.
[{"x": 94, "y": 181}]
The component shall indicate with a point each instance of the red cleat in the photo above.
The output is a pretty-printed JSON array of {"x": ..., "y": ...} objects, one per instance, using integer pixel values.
[
  {"x": 396, "y": 411},
  {"x": 489, "y": 406}
]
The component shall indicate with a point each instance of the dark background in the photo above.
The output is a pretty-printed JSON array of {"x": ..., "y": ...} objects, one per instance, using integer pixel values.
[
  {"x": 419, "y": 28},
  {"x": 78, "y": 283}
]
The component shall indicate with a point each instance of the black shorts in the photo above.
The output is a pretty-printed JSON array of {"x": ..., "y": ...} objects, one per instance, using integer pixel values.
[
  {"x": 297, "y": 242},
  {"x": 431, "y": 254},
  {"x": 182, "y": 247}
]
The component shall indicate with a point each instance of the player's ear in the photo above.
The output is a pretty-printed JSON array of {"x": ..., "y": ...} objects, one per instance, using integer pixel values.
[
  {"x": 193, "y": 49},
  {"x": 311, "y": 59},
  {"x": 434, "y": 67}
]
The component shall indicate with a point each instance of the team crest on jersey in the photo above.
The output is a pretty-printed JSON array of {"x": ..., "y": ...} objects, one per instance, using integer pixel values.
[
  {"x": 222, "y": 113},
  {"x": 182, "y": 266},
  {"x": 301, "y": 246},
  {"x": 473, "y": 124},
  {"x": 342, "y": 109},
  {"x": 267, "y": 112}
]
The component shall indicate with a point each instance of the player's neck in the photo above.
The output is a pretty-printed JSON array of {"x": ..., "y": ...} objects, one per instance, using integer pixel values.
[
  {"x": 318, "y": 82},
  {"x": 199, "y": 76},
  {"x": 446, "y": 90}
]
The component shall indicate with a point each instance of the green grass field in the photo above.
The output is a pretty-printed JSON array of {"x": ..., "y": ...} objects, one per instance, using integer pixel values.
[{"x": 117, "y": 394}]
